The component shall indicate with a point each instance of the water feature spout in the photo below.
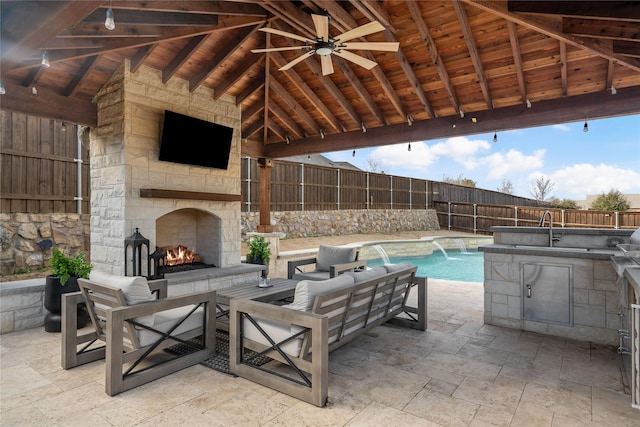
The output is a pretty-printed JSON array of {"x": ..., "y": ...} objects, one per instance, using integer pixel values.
[
  {"x": 382, "y": 253},
  {"x": 439, "y": 246},
  {"x": 461, "y": 246}
]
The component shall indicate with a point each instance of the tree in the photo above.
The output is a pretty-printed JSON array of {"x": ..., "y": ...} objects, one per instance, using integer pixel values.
[
  {"x": 460, "y": 180},
  {"x": 563, "y": 204},
  {"x": 507, "y": 187},
  {"x": 614, "y": 200},
  {"x": 376, "y": 166},
  {"x": 541, "y": 188}
]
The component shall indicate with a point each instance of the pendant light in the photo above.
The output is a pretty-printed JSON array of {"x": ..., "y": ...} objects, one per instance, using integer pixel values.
[
  {"x": 585, "y": 128},
  {"x": 45, "y": 60},
  {"x": 109, "y": 22}
]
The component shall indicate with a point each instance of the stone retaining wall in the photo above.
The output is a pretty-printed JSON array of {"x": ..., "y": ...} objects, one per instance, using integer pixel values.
[{"x": 22, "y": 235}]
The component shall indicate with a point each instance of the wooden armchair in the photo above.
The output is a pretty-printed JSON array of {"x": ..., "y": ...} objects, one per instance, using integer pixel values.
[
  {"x": 330, "y": 262},
  {"x": 136, "y": 329}
]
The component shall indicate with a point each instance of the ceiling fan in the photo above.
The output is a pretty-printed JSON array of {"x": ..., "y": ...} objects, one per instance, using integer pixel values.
[{"x": 324, "y": 45}]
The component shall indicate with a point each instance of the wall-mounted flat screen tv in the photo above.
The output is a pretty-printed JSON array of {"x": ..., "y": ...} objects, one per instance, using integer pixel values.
[{"x": 192, "y": 141}]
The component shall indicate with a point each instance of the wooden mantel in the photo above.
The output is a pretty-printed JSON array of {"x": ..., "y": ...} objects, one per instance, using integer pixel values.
[{"x": 189, "y": 195}]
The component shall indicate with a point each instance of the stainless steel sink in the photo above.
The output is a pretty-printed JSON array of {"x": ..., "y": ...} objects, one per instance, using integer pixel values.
[{"x": 631, "y": 251}]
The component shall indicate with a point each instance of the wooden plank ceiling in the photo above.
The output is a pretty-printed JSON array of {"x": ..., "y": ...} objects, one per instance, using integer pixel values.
[{"x": 463, "y": 67}]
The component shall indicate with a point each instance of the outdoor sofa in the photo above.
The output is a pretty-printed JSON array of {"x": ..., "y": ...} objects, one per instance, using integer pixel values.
[{"x": 323, "y": 316}]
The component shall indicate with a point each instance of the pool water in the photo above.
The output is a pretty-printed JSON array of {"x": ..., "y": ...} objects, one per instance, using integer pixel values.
[{"x": 463, "y": 266}]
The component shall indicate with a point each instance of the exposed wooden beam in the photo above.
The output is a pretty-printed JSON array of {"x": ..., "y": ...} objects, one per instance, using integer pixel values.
[
  {"x": 182, "y": 56},
  {"x": 626, "y": 48},
  {"x": 360, "y": 89},
  {"x": 553, "y": 29},
  {"x": 48, "y": 104},
  {"x": 563, "y": 68},
  {"x": 252, "y": 129},
  {"x": 374, "y": 11},
  {"x": 249, "y": 112},
  {"x": 233, "y": 76},
  {"x": 141, "y": 55},
  {"x": 295, "y": 130},
  {"x": 473, "y": 51},
  {"x": 253, "y": 87},
  {"x": 204, "y": 7},
  {"x": 629, "y": 31},
  {"x": 150, "y": 17},
  {"x": 425, "y": 34},
  {"x": 294, "y": 105},
  {"x": 615, "y": 10},
  {"x": 308, "y": 92},
  {"x": 25, "y": 29},
  {"x": 517, "y": 59},
  {"x": 87, "y": 67},
  {"x": 221, "y": 56},
  {"x": 562, "y": 110}
]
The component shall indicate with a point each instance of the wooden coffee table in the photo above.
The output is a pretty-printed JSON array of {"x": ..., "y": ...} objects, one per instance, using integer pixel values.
[{"x": 279, "y": 290}]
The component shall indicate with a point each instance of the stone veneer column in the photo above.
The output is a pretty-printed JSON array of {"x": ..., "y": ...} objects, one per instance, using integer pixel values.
[{"x": 124, "y": 151}]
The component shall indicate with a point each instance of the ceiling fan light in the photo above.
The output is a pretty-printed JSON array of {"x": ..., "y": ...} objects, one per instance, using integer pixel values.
[{"x": 324, "y": 48}]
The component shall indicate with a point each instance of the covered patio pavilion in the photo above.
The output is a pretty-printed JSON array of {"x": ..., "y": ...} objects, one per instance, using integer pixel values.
[{"x": 461, "y": 67}]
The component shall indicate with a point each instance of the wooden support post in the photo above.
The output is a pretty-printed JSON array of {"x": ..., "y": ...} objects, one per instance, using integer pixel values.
[{"x": 265, "y": 165}]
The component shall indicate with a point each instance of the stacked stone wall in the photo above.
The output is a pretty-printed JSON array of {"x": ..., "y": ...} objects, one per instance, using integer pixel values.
[
  {"x": 297, "y": 225},
  {"x": 26, "y": 239}
]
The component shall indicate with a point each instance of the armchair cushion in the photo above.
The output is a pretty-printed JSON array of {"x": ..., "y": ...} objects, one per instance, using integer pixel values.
[
  {"x": 332, "y": 255},
  {"x": 362, "y": 276},
  {"x": 134, "y": 288},
  {"x": 391, "y": 268},
  {"x": 165, "y": 320}
]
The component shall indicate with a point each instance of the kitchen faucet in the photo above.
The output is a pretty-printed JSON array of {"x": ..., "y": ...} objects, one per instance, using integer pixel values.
[{"x": 541, "y": 224}]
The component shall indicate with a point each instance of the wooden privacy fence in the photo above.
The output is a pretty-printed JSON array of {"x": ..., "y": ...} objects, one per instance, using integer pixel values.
[
  {"x": 43, "y": 167},
  {"x": 479, "y": 218},
  {"x": 304, "y": 187}
]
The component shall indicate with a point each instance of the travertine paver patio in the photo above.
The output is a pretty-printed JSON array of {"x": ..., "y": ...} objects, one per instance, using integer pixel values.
[{"x": 458, "y": 373}]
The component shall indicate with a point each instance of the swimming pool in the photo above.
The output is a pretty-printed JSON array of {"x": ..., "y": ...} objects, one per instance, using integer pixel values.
[
  {"x": 463, "y": 266},
  {"x": 442, "y": 257}
]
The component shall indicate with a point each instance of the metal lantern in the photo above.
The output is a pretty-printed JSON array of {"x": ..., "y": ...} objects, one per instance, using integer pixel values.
[
  {"x": 135, "y": 253},
  {"x": 157, "y": 263}
]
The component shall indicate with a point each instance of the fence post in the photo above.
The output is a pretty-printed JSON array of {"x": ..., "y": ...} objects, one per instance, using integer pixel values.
[
  {"x": 391, "y": 191},
  {"x": 449, "y": 215},
  {"x": 515, "y": 221},
  {"x": 562, "y": 223},
  {"x": 338, "y": 190},
  {"x": 78, "y": 161},
  {"x": 410, "y": 195},
  {"x": 475, "y": 218},
  {"x": 368, "y": 193},
  {"x": 302, "y": 187},
  {"x": 248, "y": 184},
  {"x": 617, "y": 224}
]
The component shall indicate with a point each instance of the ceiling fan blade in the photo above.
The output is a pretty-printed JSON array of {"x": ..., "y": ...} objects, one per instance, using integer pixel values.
[
  {"x": 321, "y": 22},
  {"x": 278, "y": 49},
  {"x": 356, "y": 59},
  {"x": 361, "y": 31},
  {"x": 386, "y": 46},
  {"x": 285, "y": 34},
  {"x": 297, "y": 60},
  {"x": 327, "y": 65}
]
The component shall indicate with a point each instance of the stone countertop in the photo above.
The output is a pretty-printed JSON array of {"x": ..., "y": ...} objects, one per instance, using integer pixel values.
[{"x": 555, "y": 251}]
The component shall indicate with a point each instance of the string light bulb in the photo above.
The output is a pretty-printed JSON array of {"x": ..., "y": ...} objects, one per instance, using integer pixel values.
[
  {"x": 585, "y": 128},
  {"x": 109, "y": 22},
  {"x": 353, "y": 154},
  {"x": 364, "y": 127},
  {"x": 2, "y": 90},
  {"x": 34, "y": 90},
  {"x": 495, "y": 136},
  {"x": 45, "y": 60},
  {"x": 409, "y": 147}
]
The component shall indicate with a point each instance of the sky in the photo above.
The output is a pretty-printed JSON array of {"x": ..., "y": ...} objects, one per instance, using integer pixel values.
[{"x": 576, "y": 163}]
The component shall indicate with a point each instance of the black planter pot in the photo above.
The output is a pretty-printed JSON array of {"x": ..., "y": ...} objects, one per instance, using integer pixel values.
[{"x": 53, "y": 291}]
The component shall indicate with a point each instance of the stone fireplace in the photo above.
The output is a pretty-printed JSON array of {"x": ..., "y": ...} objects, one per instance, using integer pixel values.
[{"x": 170, "y": 203}]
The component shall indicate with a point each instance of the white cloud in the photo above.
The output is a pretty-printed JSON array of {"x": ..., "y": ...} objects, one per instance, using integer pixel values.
[
  {"x": 562, "y": 127},
  {"x": 502, "y": 165},
  {"x": 580, "y": 180}
]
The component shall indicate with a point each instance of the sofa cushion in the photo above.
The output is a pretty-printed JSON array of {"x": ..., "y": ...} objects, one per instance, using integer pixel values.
[
  {"x": 307, "y": 290},
  {"x": 135, "y": 288},
  {"x": 165, "y": 320},
  {"x": 277, "y": 331},
  {"x": 370, "y": 274},
  {"x": 332, "y": 255},
  {"x": 392, "y": 268}
]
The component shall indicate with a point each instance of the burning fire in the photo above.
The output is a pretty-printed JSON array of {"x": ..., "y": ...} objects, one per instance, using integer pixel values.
[{"x": 179, "y": 255}]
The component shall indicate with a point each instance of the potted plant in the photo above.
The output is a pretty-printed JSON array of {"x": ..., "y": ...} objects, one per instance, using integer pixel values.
[
  {"x": 259, "y": 253},
  {"x": 64, "y": 279}
]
